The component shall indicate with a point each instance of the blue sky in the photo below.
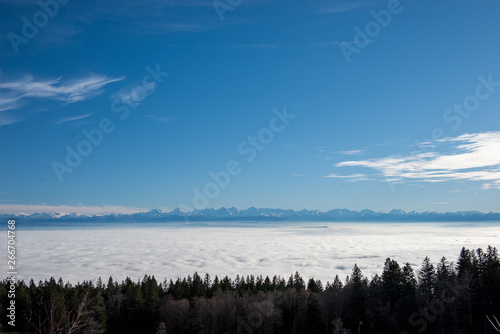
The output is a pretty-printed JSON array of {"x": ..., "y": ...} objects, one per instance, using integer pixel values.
[{"x": 310, "y": 104}]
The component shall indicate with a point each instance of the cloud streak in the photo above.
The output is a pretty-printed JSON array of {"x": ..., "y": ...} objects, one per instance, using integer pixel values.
[
  {"x": 473, "y": 157},
  {"x": 13, "y": 92},
  {"x": 351, "y": 152},
  {"x": 353, "y": 177},
  {"x": 69, "y": 119},
  {"x": 8, "y": 102},
  {"x": 5, "y": 118}
]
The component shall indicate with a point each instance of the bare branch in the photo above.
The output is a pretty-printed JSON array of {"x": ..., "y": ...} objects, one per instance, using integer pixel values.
[{"x": 497, "y": 327}]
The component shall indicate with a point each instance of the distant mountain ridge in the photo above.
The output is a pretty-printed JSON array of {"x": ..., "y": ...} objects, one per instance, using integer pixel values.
[{"x": 256, "y": 214}]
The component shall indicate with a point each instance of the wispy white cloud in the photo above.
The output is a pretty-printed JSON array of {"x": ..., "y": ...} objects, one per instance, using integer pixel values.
[
  {"x": 473, "y": 157},
  {"x": 345, "y": 176},
  {"x": 12, "y": 93},
  {"x": 81, "y": 209},
  {"x": 134, "y": 95},
  {"x": 9, "y": 101},
  {"x": 425, "y": 144},
  {"x": 351, "y": 152},
  {"x": 350, "y": 178},
  {"x": 6, "y": 118},
  {"x": 69, "y": 119}
]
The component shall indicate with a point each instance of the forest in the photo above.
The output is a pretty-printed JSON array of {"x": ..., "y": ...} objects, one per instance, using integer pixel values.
[{"x": 448, "y": 297}]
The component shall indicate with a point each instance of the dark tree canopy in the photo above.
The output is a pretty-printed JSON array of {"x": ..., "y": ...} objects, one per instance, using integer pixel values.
[{"x": 438, "y": 298}]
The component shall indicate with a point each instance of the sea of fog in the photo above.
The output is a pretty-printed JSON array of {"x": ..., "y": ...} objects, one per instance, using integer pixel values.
[{"x": 78, "y": 252}]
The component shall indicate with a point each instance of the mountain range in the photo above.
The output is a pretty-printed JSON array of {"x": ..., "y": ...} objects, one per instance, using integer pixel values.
[{"x": 256, "y": 214}]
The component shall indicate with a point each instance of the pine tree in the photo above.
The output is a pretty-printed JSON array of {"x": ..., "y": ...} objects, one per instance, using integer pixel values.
[
  {"x": 298, "y": 282},
  {"x": 314, "y": 324},
  {"x": 356, "y": 289},
  {"x": 466, "y": 281},
  {"x": 207, "y": 284},
  {"x": 267, "y": 286},
  {"x": 314, "y": 285},
  {"x": 465, "y": 263},
  {"x": 427, "y": 280}
]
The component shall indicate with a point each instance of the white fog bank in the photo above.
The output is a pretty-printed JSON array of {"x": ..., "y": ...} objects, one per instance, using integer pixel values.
[{"x": 319, "y": 250}]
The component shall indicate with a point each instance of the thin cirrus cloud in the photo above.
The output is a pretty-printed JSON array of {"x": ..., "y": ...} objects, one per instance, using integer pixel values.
[
  {"x": 14, "y": 92},
  {"x": 470, "y": 157},
  {"x": 132, "y": 96},
  {"x": 7, "y": 119},
  {"x": 351, "y": 152},
  {"x": 69, "y": 119},
  {"x": 8, "y": 101},
  {"x": 349, "y": 178}
]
